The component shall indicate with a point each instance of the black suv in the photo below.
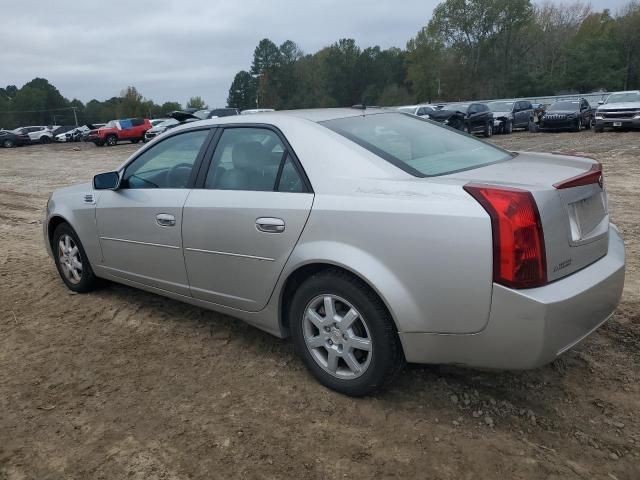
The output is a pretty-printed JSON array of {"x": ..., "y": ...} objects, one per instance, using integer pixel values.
[
  {"x": 470, "y": 117},
  {"x": 511, "y": 114},
  {"x": 567, "y": 115}
]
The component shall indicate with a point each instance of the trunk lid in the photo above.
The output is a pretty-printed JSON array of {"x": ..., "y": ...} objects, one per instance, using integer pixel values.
[{"x": 575, "y": 220}]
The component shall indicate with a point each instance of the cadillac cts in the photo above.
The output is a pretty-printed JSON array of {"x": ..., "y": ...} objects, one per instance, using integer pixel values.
[{"x": 371, "y": 237}]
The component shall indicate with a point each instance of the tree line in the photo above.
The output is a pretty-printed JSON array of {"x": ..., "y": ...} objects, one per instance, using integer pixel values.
[
  {"x": 38, "y": 102},
  {"x": 470, "y": 49}
]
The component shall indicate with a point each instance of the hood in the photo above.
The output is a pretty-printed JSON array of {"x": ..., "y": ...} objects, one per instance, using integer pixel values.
[
  {"x": 618, "y": 106},
  {"x": 80, "y": 187},
  {"x": 560, "y": 112},
  {"x": 183, "y": 116}
]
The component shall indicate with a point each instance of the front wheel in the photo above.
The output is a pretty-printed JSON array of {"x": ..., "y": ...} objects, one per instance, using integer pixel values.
[
  {"x": 44, "y": 139},
  {"x": 508, "y": 127},
  {"x": 111, "y": 140},
  {"x": 71, "y": 260},
  {"x": 344, "y": 334},
  {"x": 488, "y": 130},
  {"x": 8, "y": 143}
]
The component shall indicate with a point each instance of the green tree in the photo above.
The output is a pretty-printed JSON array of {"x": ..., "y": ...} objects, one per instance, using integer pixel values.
[
  {"x": 196, "y": 102},
  {"x": 242, "y": 93}
]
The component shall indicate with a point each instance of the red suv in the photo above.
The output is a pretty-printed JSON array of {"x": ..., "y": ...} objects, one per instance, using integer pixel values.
[{"x": 132, "y": 129}]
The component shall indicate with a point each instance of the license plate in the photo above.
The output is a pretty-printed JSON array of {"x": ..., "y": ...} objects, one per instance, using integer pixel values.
[{"x": 617, "y": 124}]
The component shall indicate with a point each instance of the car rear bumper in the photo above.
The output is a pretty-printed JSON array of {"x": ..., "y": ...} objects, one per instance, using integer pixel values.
[{"x": 531, "y": 327}]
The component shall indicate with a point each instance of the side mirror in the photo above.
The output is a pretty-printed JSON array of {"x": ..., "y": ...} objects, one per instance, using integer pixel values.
[{"x": 106, "y": 181}]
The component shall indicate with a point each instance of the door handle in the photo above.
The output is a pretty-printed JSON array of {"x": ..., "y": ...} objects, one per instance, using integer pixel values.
[
  {"x": 270, "y": 225},
  {"x": 165, "y": 220}
]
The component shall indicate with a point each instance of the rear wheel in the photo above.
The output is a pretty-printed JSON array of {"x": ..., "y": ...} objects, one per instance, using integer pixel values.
[
  {"x": 599, "y": 129},
  {"x": 111, "y": 140},
  {"x": 8, "y": 143},
  {"x": 344, "y": 334},
  {"x": 71, "y": 260},
  {"x": 44, "y": 139}
]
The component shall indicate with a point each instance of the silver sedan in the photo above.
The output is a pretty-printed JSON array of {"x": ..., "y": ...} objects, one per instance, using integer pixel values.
[{"x": 370, "y": 237}]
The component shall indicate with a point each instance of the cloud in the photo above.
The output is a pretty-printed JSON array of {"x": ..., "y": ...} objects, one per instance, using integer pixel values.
[{"x": 175, "y": 50}]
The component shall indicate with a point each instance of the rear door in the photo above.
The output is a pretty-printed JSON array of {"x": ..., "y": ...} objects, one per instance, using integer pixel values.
[
  {"x": 139, "y": 225},
  {"x": 241, "y": 226}
]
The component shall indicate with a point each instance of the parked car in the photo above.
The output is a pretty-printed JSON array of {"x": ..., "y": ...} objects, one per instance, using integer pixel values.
[
  {"x": 37, "y": 134},
  {"x": 293, "y": 226},
  {"x": 74, "y": 135},
  {"x": 511, "y": 114},
  {"x": 9, "y": 139},
  {"x": 256, "y": 110},
  {"x": 619, "y": 110},
  {"x": 160, "y": 128},
  {"x": 419, "y": 110},
  {"x": 469, "y": 117},
  {"x": 216, "y": 112},
  {"x": 157, "y": 121},
  {"x": 91, "y": 127},
  {"x": 128, "y": 129},
  {"x": 566, "y": 114}
]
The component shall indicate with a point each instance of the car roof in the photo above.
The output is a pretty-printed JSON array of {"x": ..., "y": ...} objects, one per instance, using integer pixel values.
[{"x": 314, "y": 115}]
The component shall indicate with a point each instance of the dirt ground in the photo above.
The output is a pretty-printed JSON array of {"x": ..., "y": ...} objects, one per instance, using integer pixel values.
[{"x": 124, "y": 384}]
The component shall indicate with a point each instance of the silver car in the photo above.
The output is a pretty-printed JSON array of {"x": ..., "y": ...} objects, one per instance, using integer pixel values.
[{"x": 370, "y": 237}]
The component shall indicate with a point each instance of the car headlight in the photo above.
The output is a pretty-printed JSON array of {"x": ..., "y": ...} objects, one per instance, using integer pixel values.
[
  {"x": 446, "y": 122},
  {"x": 599, "y": 116}
]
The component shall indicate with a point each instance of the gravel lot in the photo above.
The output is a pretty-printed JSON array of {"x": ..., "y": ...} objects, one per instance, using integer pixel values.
[{"x": 121, "y": 383}]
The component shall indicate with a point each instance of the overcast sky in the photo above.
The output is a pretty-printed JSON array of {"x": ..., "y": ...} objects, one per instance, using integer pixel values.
[{"x": 175, "y": 50}]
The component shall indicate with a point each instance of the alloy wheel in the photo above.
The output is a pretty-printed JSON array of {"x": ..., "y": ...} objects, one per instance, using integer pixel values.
[
  {"x": 70, "y": 259},
  {"x": 337, "y": 336}
]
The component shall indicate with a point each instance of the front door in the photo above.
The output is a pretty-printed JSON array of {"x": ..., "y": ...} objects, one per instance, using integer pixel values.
[
  {"x": 139, "y": 225},
  {"x": 239, "y": 230}
]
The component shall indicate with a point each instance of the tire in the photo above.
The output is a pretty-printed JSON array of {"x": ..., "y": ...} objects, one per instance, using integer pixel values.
[
  {"x": 578, "y": 127},
  {"x": 508, "y": 127},
  {"x": 355, "y": 371},
  {"x": 44, "y": 140},
  {"x": 71, "y": 260},
  {"x": 466, "y": 129},
  {"x": 111, "y": 140},
  {"x": 135, "y": 140},
  {"x": 599, "y": 129},
  {"x": 488, "y": 130},
  {"x": 8, "y": 143}
]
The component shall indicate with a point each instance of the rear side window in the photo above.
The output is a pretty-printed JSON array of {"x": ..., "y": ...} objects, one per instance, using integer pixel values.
[{"x": 419, "y": 147}]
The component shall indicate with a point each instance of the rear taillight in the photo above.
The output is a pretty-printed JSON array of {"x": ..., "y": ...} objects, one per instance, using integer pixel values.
[
  {"x": 519, "y": 259},
  {"x": 593, "y": 175}
]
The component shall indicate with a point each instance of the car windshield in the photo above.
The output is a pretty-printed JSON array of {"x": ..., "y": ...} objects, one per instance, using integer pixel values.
[
  {"x": 500, "y": 106},
  {"x": 623, "y": 97},
  {"x": 575, "y": 105},
  {"x": 417, "y": 146}
]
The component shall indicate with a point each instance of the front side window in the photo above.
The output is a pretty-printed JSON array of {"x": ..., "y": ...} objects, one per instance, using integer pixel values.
[
  {"x": 417, "y": 146},
  {"x": 248, "y": 159},
  {"x": 167, "y": 164}
]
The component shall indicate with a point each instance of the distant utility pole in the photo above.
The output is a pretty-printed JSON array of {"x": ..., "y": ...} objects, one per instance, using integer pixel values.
[{"x": 74, "y": 115}]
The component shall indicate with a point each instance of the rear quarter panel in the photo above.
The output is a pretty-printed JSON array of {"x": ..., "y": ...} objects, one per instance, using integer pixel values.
[{"x": 425, "y": 248}]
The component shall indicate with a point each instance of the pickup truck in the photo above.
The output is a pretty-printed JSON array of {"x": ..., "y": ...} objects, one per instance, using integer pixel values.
[
  {"x": 131, "y": 129},
  {"x": 619, "y": 110}
]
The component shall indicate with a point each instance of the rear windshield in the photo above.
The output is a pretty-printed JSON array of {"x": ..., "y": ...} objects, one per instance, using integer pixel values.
[{"x": 417, "y": 146}]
